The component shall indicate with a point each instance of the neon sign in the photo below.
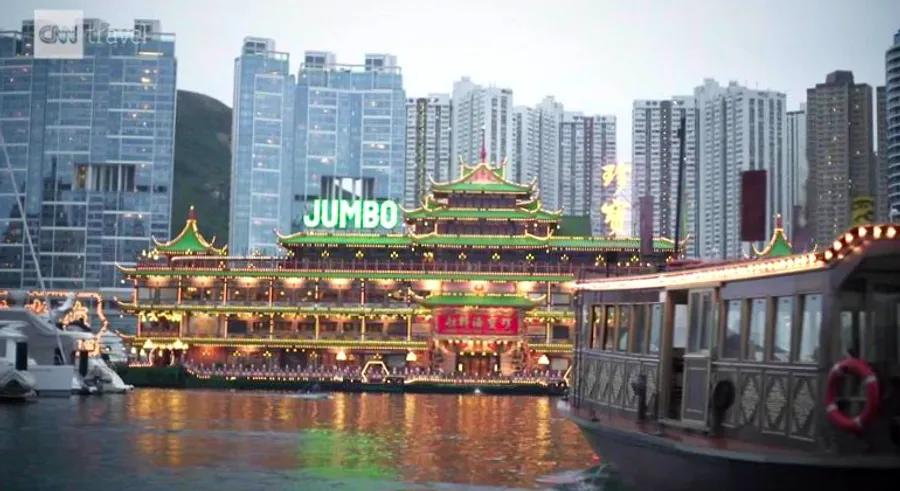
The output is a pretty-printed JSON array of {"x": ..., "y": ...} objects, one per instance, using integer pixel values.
[
  {"x": 343, "y": 214},
  {"x": 615, "y": 209},
  {"x": 477, "y": 322}
]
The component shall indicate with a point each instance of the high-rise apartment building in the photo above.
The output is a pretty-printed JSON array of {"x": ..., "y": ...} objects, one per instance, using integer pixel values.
[
  {"x": 87, "y": 150},
  {"x": 839, "y": 149},
  {"x": 261, "y": 147},
  {"x": 795, "y": 143},
  {"x": 741, "y": 129},
  {"x": 428, "y": 138},
  {"x": 892, "y": 127},
  {"x": 881, "y": 161},
  {"x": 481, "y": 116},
  {"x": 350, "y": 137},
  {"x": 536, "y": 148},
  {"x": 587, "y": 147},
  {"x": 656, "y": 129}
]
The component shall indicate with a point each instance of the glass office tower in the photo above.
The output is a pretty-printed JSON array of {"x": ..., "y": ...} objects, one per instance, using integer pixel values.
[
  {"x": 261, "y": 148},
  {"x": 88, "y": 152},
  {"x": 350, "y": 131}
]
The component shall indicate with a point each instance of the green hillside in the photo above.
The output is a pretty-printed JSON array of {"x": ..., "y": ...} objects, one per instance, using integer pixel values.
[{"x": 202, "y": 163}]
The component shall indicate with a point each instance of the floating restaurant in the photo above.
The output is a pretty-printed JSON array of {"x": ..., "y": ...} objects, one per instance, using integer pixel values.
[{"x": 478, "y": 287}]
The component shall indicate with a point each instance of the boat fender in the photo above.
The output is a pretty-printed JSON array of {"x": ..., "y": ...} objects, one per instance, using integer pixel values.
[
  {"x": 723, "y": 395},
  {"x": 854, "y": 424},
  {"x": 722, "y": 399}
]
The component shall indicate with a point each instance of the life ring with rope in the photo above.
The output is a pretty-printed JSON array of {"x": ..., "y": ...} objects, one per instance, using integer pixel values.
[{"x": 853, "y": 424}]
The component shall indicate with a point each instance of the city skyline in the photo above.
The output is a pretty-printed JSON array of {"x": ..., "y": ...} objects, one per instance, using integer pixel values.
[{"x": 788, "y": 51}]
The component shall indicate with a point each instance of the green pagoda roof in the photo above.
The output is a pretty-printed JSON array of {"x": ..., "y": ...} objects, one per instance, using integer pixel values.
[
  {"x": 488, "y": 300},
  {"x": 481, "y": 178},
  {"x": 483, "y": 213},
  {"x": 189, "y": 241},
  {"x": 778, "y": 245}
]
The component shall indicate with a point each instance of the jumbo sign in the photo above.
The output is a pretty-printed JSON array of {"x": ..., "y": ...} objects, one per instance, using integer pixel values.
[{"x": 358, "y": 214}]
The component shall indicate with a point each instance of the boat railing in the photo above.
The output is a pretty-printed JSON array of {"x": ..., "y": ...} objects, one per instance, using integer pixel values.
[{"x": 342, "y": 264}]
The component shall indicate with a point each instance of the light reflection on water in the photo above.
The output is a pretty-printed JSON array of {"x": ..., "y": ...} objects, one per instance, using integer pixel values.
[{"x": 249, "y": 440}]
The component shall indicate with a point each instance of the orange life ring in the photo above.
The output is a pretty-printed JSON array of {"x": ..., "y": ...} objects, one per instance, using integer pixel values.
[{"x": 861, "y": 369}]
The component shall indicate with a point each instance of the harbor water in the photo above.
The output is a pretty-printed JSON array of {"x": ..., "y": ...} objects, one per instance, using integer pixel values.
[{"x": 181, "y": 439}]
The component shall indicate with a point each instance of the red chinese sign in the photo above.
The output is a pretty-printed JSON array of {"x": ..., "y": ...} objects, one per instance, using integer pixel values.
[{"x": 477, "y": 322}]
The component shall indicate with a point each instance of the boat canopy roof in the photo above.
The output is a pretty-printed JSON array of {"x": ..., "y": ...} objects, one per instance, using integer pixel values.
[{"x": 853, "y": 242}]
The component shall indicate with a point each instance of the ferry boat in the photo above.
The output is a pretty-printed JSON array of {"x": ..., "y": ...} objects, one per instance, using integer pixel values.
[{"x": 779, "y": 372}]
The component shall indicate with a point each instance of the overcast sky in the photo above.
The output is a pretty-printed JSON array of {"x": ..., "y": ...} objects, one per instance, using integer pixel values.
[{"x": 594, "y": 56}]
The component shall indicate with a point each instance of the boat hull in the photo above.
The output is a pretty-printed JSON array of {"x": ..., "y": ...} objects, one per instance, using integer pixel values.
[
  {"x": 16, "y": 385},
  {"x": 655, "y": 463}
]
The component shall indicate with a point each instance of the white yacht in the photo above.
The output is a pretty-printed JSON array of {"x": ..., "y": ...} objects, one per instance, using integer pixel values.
[
  {"x": 56, "y": 354},
  {"x": 16, "y": 383}
]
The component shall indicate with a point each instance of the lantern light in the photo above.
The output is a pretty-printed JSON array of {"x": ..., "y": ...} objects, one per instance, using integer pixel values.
[{"x": 543, "y": 360}]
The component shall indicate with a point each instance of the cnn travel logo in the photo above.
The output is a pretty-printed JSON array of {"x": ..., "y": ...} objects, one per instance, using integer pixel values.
[{"x": 58, "y": 34}]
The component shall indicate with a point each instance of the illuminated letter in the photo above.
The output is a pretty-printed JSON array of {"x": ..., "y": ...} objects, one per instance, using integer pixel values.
[
  {"x": 369, "y": 214},
  {"x": 312, "y": 220},
  {"x": 330, "y": 219},
  {"x": 389, "y": 214},
  {"x": 351, "y": 211}
]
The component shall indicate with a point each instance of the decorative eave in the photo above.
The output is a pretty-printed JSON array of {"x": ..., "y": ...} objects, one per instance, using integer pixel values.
[
  {"x": 475, "y": 300},
  {"x": 428, "y": 204},
  {"x": 493, "y": 182},
  {"x": 189, "y": 241},
  {"x": 283, "y": 310},
  {"x": 527, "y": 240},
  {"x": 486, "y": 213},
  {"x": 346, "y": 273},
  {"x": 381, "y": 345},
  {"x": 778, "y": 246}
]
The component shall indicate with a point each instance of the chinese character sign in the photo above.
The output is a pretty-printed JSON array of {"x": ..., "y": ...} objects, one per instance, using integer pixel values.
[
  {"x": 615, "y": 214},
  {"x": 614, "y": 206},
  {"x": 477, "y": 322},
  {"x": 616, "y": 174}
]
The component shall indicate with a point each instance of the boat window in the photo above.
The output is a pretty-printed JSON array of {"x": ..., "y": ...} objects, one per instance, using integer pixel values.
[
  {"x": 784, "y": 314},
  {"x": 849, "y": 334},
  {"x": 610, "y": 327},
  {"x": 732, "y": 344},
  {"x": 694, "y": 321},
  {"x": 701, "y": 321},
  {"x": 756, "y": 337},
  {"x": 596, "y": 327},
  {"x": 680, "y": 326},
  {"x": 639, "y": 330},
  {"x": 871, "y": 336},
  {"x": 810, "y": 329},
  {"x": 624, "y": 327},
  {"x": 656, "y": 318}
]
